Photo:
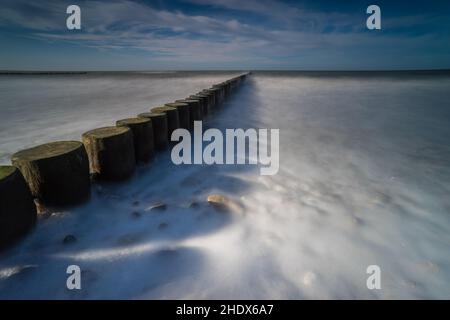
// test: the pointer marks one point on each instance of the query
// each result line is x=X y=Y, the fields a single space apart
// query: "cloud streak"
x=165 y=34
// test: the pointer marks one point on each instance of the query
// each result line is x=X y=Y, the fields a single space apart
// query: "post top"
x=106 y=132
x=162 y=109
x=6 y=171
x=151 y=115
x=47 y=150
x=177 y=104
x=132 y=121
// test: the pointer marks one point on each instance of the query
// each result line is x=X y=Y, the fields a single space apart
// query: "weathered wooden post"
x=194 y=109
x=17 y=209
x=57 y=173
x=211 y=99
x=217 y=95
x=160 y=128
x=173 y=119
x=142 y=129
x=204 y=102
x=183 y=113
x=227 y=88
x=111 y=153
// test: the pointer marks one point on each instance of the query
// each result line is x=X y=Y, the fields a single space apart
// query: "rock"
x=69 y=239
x=194 y=204
x=223 y=204
x=17 y=272
x=160 y=206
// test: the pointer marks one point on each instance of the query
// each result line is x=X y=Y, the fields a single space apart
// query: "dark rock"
x=194 y=204
x=224 y=204
x=69 y=239
x=159 y=206
x=135 y=203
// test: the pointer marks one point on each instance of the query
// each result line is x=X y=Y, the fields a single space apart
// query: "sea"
x=363 y=181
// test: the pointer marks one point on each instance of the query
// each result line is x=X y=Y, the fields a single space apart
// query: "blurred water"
x=38 y=108
x=364 y=179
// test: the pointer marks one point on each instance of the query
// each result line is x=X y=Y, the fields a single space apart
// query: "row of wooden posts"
x=59 y=174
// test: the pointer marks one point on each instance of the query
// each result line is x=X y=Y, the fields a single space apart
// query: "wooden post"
x=111 y=153
x=57 y=173
x=160 y=128
x=173 y=119
x=194 y=109
x=183 y=113
x=142 y=129
x=17 y=209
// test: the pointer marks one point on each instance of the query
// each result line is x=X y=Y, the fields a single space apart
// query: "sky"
x=224 y=35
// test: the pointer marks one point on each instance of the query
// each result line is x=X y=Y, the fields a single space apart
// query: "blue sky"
x=224 y=34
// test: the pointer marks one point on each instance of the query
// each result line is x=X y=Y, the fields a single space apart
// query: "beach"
x=363 y=180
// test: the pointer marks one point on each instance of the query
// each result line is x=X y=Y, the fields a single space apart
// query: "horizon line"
x=6 y=71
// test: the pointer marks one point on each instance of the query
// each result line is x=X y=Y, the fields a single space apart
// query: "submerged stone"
x=224 y=204
x=69 y=239
x=159 y=206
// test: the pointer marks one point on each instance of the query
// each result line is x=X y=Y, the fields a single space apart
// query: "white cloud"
x=178 y=36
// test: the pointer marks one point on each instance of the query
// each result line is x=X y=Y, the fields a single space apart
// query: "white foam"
x=364 y=179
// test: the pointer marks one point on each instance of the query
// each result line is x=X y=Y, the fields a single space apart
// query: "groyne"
x=59 y=174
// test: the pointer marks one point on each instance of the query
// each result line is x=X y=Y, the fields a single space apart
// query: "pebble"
x=69 y=239
x=224 y=204
x=160 y=206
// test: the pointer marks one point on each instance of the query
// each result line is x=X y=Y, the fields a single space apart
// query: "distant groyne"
x=60 y=174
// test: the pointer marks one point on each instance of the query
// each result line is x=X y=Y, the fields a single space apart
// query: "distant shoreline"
x=41 y=72
x=49 y=72
x=272 y=73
